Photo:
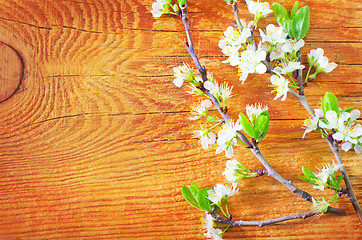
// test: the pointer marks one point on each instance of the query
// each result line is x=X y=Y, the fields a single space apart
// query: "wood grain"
x=96 y=142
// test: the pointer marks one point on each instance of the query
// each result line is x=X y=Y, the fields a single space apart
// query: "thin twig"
x=350 y=194
x=222 y=220
x=300 y=75
x=253 y=146
x=234 y=6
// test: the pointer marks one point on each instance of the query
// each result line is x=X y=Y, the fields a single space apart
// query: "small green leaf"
x=349 y=110
x=203 y=201
x=300 y=23
x=294 y=9
x=339 y=180
x=194 y=189
x=246 y=125
x=281 y=15
x=186 y=193
x=334 y=198
x=261 y=126
x=175 y=8
x=329 y=102
x=309 y=174
x=305 y=179
x=213 y=120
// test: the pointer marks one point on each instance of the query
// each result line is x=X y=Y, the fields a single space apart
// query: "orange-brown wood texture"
x=95 y=140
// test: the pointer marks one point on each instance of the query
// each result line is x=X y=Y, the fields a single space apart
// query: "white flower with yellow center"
x=324 y=174
x=273 y=34
x=158 y=8
x=320 y=207
x=316 y=58
x=226 y=138
x=312 y=123
x=182 y=73
x=253 y=111
x=250 y=62
x=225 y=91
x=221 y=192
x=289 y=68
x=281 y=86
x=206 y=137
x=258 y=9
x=293 y=45
x=231 y=43
x=200 y=109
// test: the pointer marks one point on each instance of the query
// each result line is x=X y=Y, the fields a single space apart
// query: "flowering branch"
x=252 y=146
x=335 y=149
x=350 y=193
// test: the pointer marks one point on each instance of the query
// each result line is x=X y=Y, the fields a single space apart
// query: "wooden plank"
x=97 y=144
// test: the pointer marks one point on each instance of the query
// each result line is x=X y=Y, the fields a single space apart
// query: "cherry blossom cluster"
x=337 y=123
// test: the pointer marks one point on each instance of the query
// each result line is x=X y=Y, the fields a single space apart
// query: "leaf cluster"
x=297 y=23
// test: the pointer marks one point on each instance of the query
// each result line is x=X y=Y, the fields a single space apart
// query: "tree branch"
x=253 y=147
x=219 y=219
x=351 y=196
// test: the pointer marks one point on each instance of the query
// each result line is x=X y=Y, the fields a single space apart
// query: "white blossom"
x=332 y=119
x=277 y=52
x=320 y=207
x=213 y=88
x=311 y=124
x=182 y=73
x=314 y=55
x=316 y=58
x=225 y=91
x=232 y=41
x=206 y=137
x=208 y=228
x=158 y=8
x=324 y=173
x=227 y=138
x=293 y=45
x=230 y=170
x=253 y=111
x=281 y=86
x=324 y=65
x=258 y=9
x=250 y=62
x=273 y=34
x=219 y=192
x=200 y=109
x=289 y=68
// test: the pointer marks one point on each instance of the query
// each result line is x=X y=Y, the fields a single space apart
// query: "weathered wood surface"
x=95 y=142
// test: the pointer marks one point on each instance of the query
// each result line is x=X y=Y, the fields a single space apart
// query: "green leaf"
x=246 y=125
x=334 y=199
x=186 y=193
x=329 y=102
x=213 y=120
x=339 y=180
x=203 y=201
x=194 y=189
x=261 y=126
x=349 y=110
x=305 y=179
x=294 y=9
x=300 y=23
x=281 y=15
x=309 y=174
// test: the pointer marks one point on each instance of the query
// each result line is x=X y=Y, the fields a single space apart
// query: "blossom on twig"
x=281 y=86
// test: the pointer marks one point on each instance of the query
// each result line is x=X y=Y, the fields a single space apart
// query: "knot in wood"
x=11 y=71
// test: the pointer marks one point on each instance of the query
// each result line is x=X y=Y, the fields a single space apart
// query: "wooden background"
x=95 y=142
